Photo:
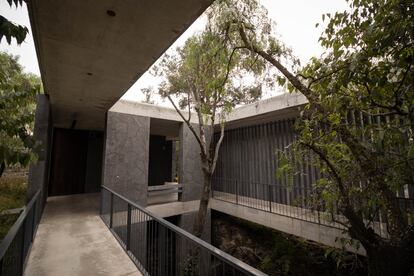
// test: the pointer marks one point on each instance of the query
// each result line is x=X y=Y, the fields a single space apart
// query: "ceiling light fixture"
x=110 y=13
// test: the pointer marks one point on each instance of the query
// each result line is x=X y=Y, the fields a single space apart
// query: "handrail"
x=215 y=251
x=8 y=239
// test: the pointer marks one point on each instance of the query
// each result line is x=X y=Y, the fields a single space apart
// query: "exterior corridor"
x=73 y=240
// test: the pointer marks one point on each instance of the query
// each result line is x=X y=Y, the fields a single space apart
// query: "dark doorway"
x=76 y=162
x=160 y=160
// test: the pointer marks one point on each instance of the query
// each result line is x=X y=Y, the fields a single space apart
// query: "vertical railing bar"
x=22 y=246
x=1 y=266
x=128 y=238
x=33 y=222
x=237 y=192
x=111 y=211
x=270 y=198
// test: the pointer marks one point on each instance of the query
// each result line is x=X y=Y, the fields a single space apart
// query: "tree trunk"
x=391 y=260
x=202 y=210
x=2 y=168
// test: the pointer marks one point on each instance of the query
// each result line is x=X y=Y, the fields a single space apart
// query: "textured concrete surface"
x=73 y=240
x=276 y=108
x=91 y=52
x=150 y=110
x=127 y=156
x=174 y=208
x=38 y=172
x=191 y=175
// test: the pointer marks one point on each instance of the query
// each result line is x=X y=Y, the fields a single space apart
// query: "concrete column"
x=127 y=155
x=191 y=175
x=39 y=171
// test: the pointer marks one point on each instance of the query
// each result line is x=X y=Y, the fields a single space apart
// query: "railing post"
x=128 y=239
x=22 y=247
x=111 y=212
x=237 y=193
x=270 y=198
x=34 y=221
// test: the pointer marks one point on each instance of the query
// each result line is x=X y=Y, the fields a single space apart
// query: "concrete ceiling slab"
x=91 y=51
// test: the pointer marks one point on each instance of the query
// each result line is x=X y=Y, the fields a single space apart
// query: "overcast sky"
x=295 y=21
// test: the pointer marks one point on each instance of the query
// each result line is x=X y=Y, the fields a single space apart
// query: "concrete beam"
x=276 y=108
x=150 y=110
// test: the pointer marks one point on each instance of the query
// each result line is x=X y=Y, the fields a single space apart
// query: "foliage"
x=17 y=106
x=12 y=191
x=205 y=76
x=9 y=30
x=360 y=116
x=278 y=253
x=6 y=222
x=12 y=195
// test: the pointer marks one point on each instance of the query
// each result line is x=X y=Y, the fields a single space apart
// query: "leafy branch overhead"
x=11 y=30
x=206 y=76
x=358 y=125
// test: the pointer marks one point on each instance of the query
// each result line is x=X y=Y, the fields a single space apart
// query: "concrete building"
x=132 y=164
x=245 y=159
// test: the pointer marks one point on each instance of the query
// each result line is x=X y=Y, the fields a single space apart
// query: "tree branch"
x=186 y=121
x=217 y=149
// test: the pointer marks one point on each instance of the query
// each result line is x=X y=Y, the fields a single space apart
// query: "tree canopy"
x=359 y=119
x=17 y=106
x=206 y=77
x=11 y=30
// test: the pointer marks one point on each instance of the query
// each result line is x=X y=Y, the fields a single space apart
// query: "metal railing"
x=158 y=247
x=16 y=245
x=294 y=202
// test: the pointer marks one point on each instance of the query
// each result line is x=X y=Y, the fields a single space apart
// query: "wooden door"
x=68 y=168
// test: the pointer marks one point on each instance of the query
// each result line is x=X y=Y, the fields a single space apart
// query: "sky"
x=295 y=24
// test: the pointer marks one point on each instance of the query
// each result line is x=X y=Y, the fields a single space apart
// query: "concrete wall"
x=39 y=171
x=191 y=176
x=126 y=155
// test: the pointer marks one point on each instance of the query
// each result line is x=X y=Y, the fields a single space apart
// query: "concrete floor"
x=73 y=240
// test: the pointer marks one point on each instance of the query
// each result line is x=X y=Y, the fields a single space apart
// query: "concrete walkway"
x=73 y=240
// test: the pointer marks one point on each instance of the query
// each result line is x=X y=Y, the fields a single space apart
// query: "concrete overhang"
x=91 y=51
x=280 y=107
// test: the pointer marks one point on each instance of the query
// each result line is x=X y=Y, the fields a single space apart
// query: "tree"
x=367 y=70
x=17 y=106
x=10 y=30
x=203 y=77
